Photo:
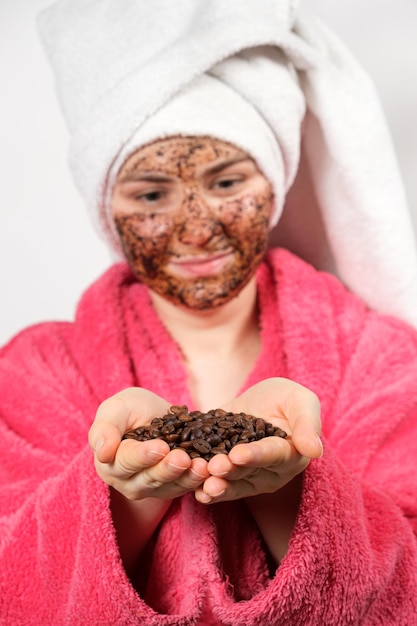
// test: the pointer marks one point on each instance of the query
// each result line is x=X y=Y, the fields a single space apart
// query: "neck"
x=219 y=347
x=194 y=330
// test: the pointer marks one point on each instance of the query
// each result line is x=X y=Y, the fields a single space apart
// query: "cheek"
x=143 y=237
x=248 y=217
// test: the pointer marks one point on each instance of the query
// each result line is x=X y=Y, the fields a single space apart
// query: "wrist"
x=135 y=522
x=275 y=515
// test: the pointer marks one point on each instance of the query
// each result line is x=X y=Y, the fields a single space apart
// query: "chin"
x=206 y=298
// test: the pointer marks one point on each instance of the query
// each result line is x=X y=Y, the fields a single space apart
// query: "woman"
x=193 y=215
x=203 y=315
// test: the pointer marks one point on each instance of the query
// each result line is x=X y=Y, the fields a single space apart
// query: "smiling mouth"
x=200 y=265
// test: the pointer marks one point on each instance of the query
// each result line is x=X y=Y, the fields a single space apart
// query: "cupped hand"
x=267 y=465
x=140 y=470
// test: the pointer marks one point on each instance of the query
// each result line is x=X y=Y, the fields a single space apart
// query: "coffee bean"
x=202 y=446
x=157 y=422
x=185 y=417
x=246 y=424
x=173 y=438
x=196 y=433
x=186 y=445
x=218 y=450
x=214 y=439
x=186 y=433
x=176 y=410
x=205 y=434
x=194 y=454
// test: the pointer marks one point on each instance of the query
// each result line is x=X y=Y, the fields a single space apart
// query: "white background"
x=48 y=250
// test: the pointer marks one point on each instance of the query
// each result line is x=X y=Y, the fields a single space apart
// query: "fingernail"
x=220 y=493
x=177 y=467
x=201 y=476
x=99 y=444
x=321 y=445
x=154 y=455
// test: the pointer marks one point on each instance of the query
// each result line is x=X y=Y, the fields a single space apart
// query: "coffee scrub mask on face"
x=193 y=217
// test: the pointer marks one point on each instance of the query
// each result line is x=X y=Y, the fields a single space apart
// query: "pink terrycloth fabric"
x=353 y=553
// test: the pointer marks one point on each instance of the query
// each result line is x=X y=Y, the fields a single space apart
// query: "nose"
x=199 y=223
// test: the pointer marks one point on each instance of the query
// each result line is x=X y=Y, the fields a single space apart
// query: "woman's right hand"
x=136 y=469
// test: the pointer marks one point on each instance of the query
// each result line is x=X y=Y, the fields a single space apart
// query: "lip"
x=201 y=266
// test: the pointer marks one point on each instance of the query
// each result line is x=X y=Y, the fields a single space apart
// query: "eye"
x=150 y=197
x=227 y=183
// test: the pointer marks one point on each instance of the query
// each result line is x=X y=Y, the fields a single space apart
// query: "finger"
x=193 y=477
x=267 y=452
x=158 y=480
x=134 y=456
x=105 y=435
x=216 y=489
x=303 y=412
x=199 y=468
x=222 y=466
x=213 y=489
x=169 y=469
x=169 y=479
x=307 y=441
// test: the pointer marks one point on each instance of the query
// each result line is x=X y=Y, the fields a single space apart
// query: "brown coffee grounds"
x=205 y=434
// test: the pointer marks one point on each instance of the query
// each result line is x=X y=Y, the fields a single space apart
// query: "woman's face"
x=193 y=218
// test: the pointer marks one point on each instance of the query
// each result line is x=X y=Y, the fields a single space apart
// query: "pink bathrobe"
x=353 y=553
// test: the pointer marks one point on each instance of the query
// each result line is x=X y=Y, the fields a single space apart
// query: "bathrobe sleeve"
x=59 y=560
x=353 y=554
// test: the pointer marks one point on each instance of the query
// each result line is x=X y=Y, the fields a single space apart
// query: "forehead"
x=176 y=155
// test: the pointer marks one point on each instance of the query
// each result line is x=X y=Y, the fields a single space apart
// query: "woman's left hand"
x=267 y=465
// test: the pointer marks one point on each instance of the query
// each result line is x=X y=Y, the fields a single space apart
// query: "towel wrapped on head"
x=270 y=79
x=214 y=104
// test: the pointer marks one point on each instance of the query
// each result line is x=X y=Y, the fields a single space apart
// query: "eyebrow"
x=155 y=177
x=151 y=177
x=227 y=163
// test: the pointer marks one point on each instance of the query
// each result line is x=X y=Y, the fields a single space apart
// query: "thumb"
x=306 y=438
x=104 y=440
x=119 y=413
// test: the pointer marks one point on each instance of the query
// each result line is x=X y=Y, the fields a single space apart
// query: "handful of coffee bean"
x=205 y=434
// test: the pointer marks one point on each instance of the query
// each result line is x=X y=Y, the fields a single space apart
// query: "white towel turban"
x=123 y=68
x=212 y=105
